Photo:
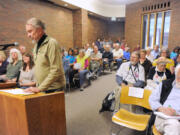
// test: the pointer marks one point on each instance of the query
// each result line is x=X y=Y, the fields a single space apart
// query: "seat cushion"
x=131 y=120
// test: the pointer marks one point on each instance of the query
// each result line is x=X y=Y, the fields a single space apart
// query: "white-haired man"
x=166 y=98
x=131 y=73
x=49 y=71
x=22 y=49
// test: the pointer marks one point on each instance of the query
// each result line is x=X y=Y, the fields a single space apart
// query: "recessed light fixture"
x=113 y=18
x=65 y=5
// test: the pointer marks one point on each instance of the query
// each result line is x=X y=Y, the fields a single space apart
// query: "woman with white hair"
x=15 y=64
x=149 y=55
x=158 y=73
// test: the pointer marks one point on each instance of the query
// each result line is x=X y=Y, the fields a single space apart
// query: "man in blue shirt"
x=165 y=99
x=155 y=52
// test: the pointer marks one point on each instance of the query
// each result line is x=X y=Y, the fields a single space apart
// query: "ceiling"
x=106 y=8
x=118 y=2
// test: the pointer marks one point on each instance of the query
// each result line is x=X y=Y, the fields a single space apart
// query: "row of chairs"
x=131 y=120
x=93 y=74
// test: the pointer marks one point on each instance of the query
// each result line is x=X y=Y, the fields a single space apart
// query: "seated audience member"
x=149 y=55
x=22 y=49
x=3 y=63
x=14 y=66
x=95 y=62
x=100 y=46
x=145 y=62
x=126 y=54
x=174 y=53
x=88 y=50
x=110 y=42
x=70 y=57
x=177 y=60
x=117 y=54
x=164 y=53
x=165 y=99
x=158 y=74
x=155 y=52
x=137 y=48
x=27 y=78
x=131 y=73
x=107 y=57
x=66 y=66
x=76 y=52
x=80 y=67
x=93 y=45
x=123 y=44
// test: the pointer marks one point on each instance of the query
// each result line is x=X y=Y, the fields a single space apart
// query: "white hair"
x=18 y=53
x=36 y=23
x=177 y=69
x=82 y=50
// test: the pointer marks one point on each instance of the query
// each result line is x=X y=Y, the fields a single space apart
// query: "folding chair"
x=129 y=119
x=154 y=130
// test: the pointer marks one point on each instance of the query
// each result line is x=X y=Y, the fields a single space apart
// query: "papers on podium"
x=164 y=116
x=136 y=92
x=17 y=92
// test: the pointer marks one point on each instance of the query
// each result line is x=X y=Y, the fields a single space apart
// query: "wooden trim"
x=162 y=30
x=147 y=42
x=155 y=26
x=142 y=25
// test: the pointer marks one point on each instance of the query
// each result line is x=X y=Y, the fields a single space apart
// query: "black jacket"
x=147 y=66
x=108 y=55
x=152 y=72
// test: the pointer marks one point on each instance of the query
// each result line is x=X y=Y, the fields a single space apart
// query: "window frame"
x=155 y=26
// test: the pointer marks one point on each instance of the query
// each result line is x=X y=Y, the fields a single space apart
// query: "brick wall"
x=134 y=13
x=14 y=14
x=70 y=28
x=77 y=28
x=97 y=28
x=116 y=30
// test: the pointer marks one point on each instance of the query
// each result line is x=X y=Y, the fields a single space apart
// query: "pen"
x=171 y=107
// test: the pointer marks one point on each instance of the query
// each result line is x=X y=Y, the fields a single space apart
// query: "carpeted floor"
x=82 y=110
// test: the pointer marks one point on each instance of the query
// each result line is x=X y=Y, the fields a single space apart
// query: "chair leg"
x=69 y=87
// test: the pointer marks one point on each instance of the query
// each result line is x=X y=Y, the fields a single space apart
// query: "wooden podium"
x=38 y=114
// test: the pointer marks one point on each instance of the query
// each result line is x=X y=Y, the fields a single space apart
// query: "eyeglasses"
x=134 y=57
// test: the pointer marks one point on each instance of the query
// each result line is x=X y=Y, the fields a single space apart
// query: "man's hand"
x=123 y=84
x=32 y=89
x=172 y=69
x=130 y=84
x=167 y=110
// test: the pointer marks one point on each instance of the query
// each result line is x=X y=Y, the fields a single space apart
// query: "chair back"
x=143 y=102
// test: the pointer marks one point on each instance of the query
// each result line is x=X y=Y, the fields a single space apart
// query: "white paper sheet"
x=136 y=92
x=77 y=66
x=17 y=92
x=164 y=116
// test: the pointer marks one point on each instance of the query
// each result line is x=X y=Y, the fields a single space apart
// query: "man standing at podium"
x=49 y=71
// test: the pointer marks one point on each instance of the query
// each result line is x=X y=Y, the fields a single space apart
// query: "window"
x=166 y=28
x=155 y=29
x=151 y=30
x=145 y=29
x=158 y=28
